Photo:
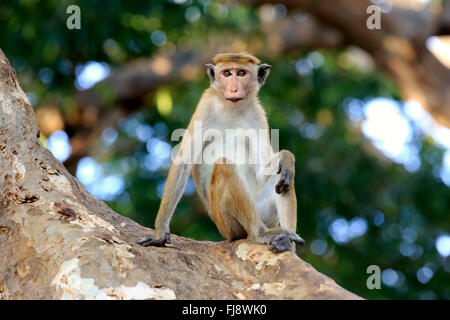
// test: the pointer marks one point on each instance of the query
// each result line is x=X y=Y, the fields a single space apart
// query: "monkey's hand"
x=158 y=242
x=286 y=172
x=285 y=242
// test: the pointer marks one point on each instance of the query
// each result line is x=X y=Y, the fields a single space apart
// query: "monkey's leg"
x=280 y=211
x=286 y=204
x=233 y=210
x=231 y=207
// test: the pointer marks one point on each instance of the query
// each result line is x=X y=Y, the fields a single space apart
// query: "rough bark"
x=57 y=241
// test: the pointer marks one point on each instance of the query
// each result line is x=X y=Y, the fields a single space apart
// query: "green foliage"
x=339 y=174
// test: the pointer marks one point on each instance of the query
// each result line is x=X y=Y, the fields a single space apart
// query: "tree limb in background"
x=399 y=47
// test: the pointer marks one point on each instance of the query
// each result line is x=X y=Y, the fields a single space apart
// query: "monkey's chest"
x=236 y=146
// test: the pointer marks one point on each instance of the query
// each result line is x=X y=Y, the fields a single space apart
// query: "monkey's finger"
x=278 y=188
x=281 y=187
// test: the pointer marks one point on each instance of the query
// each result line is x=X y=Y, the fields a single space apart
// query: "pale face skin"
x=235 y=81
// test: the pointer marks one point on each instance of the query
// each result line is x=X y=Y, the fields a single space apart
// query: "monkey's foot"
x=285 y=242
x=146 y=242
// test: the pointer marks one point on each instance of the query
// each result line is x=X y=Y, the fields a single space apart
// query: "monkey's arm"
x=282 y=163
x=173 y=190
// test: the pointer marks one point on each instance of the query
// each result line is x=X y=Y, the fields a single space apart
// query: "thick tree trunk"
x=57 y=241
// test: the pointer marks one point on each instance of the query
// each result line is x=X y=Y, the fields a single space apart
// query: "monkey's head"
x=237 y=76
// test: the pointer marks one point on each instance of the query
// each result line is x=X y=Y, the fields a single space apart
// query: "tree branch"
x=59 y=242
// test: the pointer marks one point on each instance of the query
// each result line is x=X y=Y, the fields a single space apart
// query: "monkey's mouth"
x=234 y=99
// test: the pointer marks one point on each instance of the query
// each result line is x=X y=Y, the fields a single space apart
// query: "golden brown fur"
x=239 y=58
x=241 y=201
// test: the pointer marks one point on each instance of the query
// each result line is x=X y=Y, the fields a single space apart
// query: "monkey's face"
x=235 y=81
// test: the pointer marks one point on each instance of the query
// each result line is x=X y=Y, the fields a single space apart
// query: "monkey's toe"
x=280 y=243
x=147 y=242
x=296 y=238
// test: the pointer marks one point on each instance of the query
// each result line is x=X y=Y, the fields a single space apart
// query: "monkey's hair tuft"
x=240 y=57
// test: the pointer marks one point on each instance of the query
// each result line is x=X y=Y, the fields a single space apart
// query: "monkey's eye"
x=227 y=73
x=241 y=73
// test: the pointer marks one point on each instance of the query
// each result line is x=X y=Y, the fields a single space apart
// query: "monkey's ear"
x=210 y=72
x=263 y=72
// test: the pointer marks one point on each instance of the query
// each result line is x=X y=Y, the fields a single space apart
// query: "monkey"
x=256 y=200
